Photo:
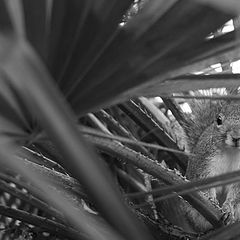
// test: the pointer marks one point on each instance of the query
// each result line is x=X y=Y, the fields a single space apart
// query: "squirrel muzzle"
x=233 y=137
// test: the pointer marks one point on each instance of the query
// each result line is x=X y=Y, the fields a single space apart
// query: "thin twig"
x=44 y=223
x=96 y=133
x=31 y=200
x=185 y=188
x=227 y=97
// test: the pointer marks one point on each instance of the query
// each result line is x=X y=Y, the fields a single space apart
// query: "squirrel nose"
x=235 y=139
x=235 y=134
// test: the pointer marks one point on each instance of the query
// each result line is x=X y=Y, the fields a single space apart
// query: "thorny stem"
x=197 y=200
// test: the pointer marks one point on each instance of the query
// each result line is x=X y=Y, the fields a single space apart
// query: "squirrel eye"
x=219 y=120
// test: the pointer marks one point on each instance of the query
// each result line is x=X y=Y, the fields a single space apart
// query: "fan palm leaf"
x=62 y=59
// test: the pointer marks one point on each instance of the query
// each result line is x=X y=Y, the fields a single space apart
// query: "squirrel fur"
x=213 y=134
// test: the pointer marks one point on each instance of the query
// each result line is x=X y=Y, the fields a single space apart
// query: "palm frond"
x=62 y=59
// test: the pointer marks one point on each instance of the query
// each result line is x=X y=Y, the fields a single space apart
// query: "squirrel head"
x=227 y=124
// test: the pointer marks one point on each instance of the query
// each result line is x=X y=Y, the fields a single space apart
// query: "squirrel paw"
x=228 y=216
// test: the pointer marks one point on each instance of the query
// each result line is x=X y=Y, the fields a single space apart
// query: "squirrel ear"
x=219 y=120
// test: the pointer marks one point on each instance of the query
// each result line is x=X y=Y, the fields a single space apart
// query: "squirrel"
x=213 y=135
